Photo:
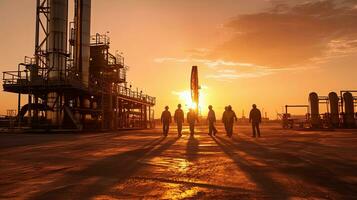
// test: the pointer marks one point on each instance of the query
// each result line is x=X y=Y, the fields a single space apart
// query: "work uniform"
x=179 y=119
x=191 y=119
x=255 y=118
x=166 y=120
x=211 y=118
x=230 y=117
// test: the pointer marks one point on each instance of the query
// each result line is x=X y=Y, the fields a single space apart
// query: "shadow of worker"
x=261 y=176
x=192 y=148
x=107 y=172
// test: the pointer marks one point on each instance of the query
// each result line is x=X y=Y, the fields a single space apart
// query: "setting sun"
x=185 y=98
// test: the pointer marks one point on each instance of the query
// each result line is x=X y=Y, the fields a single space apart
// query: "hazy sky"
x=270 y=53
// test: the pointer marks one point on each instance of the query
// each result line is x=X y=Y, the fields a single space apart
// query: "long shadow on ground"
x=192 y=149
x=104 y=174
x=312 y=169
x=268 y=186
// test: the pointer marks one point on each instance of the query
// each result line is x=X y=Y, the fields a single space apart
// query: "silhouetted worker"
x=211 y=118
x=179 y=119
x=224 y=119
x=191 y=119
x=166 y=120
x=255 y=117
x=230 y=118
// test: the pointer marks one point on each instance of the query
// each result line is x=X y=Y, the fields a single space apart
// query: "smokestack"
x=57 y=51
x=82 y=27
x=57 y=39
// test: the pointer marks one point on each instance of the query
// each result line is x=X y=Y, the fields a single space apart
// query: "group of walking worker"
x=228 y=119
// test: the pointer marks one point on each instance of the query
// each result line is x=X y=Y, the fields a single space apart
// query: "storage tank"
x=334 y=109
x=82 y=47
x=314 y=110
x=349 y=120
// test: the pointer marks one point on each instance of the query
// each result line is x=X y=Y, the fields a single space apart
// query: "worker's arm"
x=209 y=116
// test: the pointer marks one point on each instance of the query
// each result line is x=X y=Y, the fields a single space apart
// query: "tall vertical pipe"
x=334 y=109
x=57 y=39
x=314 y=110
x=349 y=119
x=195 y=87
x=82 y=32
x=57 y=53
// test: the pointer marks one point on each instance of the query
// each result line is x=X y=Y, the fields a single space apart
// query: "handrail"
x=99 y=39
x=24 y=78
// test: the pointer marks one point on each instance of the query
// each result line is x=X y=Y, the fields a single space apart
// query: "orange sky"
x=270 y=53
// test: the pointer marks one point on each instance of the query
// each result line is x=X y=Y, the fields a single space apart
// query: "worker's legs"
x=179 y=128
x=210 y=128
x=253 y=127
x=227 y=128
x=165 y=128
x=258 y=129
x=214 y=129
x=230 y=129
x=192 y=128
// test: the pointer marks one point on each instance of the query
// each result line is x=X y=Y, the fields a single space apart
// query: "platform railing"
x=37 y=77
x=128 y=92
x=15 y=77
x=23 y=78
x=99 y=39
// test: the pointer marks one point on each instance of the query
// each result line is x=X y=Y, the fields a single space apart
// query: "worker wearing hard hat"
x=255 y=117
x=191 y=119
x=166 y=120
x=211 y=118
x=179 y=119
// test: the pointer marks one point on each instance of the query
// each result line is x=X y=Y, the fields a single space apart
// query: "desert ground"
x=282 y=164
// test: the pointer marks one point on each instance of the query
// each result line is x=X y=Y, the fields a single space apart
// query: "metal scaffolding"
x=74 y=84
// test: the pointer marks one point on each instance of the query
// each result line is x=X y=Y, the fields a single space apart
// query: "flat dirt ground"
x=282 y=164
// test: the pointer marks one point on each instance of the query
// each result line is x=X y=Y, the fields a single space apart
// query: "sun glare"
x=186 y=100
